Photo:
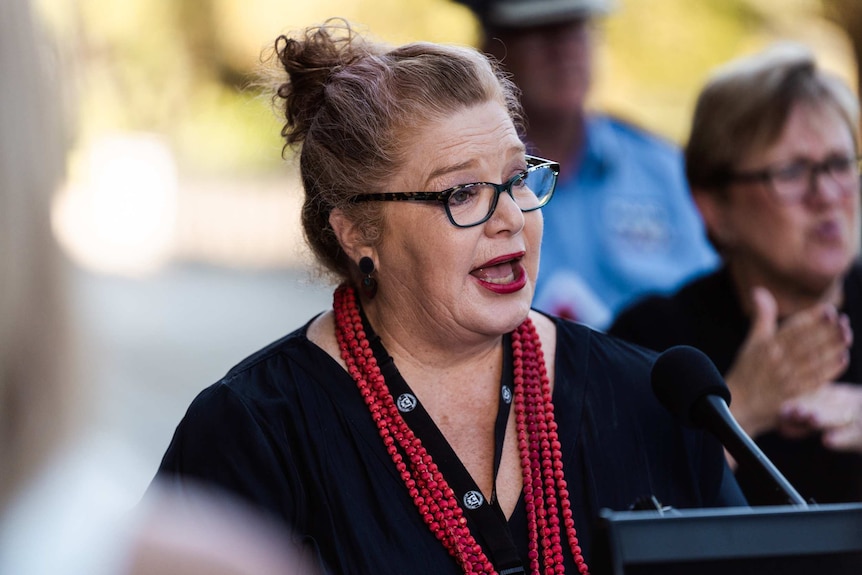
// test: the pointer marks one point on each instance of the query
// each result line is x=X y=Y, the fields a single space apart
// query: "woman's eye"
x=520 y=180
x=463 y=195
x=838 y=165
x=793 y=171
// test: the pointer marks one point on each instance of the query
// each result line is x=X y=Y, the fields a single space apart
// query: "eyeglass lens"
x=793 y=182
x=472 y=204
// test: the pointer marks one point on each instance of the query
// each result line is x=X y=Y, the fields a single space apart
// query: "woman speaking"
x=431 y=421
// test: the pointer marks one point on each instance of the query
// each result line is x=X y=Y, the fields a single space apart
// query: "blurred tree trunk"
x=848 y=15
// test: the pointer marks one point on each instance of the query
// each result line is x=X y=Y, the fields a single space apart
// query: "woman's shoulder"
x=272 y=372
x=283 y=346
x=659 y=321
x=657 y=309
x=271 y=390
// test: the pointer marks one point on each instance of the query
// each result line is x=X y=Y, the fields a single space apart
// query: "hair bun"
x=310 y=60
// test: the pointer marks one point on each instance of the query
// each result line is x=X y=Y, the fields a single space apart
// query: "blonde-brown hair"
x=745 y=105
x=34 y=392
x=355 y=106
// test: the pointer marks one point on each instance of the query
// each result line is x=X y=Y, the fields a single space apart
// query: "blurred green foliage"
x=182 y=68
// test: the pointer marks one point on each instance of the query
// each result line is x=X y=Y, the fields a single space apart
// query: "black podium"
x=786 y=540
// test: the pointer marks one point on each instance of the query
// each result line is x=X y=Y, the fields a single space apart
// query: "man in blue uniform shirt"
x=622 y=223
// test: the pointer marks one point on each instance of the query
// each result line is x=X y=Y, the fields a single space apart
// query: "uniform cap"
x=527 y=13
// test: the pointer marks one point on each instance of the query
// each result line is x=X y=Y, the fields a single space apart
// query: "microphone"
x=689 y=385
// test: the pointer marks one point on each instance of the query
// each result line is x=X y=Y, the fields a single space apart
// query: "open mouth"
x=829 y=230
x=503 y=274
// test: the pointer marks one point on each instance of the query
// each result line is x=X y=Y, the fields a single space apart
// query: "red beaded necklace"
x=545 y=493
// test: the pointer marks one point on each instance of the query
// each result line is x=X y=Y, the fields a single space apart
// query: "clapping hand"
x=781 y=362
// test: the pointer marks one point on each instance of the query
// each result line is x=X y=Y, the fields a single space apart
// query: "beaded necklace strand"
x=545 y=493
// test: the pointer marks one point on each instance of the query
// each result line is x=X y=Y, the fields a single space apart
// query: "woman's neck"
x=430 y=352
x=789 y=298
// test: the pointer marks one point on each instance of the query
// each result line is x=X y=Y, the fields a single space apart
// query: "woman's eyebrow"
x=439 y=172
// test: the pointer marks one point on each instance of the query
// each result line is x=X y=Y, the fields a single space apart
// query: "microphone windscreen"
x=681 y=376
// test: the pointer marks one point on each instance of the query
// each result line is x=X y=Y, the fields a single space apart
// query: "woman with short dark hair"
x=772 y=163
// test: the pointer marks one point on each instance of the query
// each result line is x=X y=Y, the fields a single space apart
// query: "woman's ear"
x=347 y=233
x=713 y=208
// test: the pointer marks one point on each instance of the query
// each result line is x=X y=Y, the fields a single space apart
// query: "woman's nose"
x=507 y=213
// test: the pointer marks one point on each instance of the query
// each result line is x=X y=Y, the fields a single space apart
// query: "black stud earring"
x=369 y=284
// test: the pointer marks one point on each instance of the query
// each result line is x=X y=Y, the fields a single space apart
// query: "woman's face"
x=803 y=245
x=459 y=281
x=551 y=64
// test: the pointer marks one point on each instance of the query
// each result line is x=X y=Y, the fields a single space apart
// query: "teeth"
x=501 y=281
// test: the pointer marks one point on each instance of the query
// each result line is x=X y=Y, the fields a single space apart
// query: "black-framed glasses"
x=792 y=182
x=472 y=204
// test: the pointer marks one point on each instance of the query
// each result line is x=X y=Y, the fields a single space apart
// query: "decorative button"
x=406 y=402
x=507 y=394
x=473 y=500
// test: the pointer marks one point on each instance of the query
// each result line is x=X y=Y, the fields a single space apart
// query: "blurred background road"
x=148 y=346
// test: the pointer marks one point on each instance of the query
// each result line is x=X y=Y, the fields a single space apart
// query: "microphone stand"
x=712 y=409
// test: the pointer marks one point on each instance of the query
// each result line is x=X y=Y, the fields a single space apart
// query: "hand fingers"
x=765 y=314
x=776 y=363
x=794 y=428
x=835 y=409
x=845 y=438
x=815 y=327
x=814 y=347
x=809 y=348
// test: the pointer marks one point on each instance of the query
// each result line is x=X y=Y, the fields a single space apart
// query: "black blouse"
x=287 y=430
x=707 y=314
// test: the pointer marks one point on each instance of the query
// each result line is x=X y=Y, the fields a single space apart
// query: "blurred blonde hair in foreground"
x=64 y=507
x=33 y=413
